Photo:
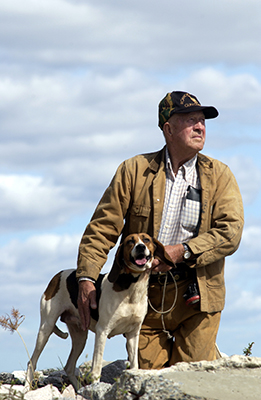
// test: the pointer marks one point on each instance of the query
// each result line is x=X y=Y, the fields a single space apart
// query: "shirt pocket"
x=191 y=209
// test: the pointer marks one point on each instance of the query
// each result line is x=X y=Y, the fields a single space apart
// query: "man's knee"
x=154 y=350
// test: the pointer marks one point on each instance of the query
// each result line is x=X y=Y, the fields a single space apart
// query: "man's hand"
x=86 y=301
x=175 y=252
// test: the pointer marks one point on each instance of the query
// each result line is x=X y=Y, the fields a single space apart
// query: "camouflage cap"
x=182 y=102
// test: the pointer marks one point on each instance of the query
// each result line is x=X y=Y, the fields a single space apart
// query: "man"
x=192 y=204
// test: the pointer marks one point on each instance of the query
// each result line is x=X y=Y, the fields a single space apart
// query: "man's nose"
x=199 y=126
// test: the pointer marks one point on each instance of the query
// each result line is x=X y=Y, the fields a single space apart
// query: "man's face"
x=188 y=131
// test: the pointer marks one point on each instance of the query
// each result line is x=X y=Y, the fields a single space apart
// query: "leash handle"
x=163 y=297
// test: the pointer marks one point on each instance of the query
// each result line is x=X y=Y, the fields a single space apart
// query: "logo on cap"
x=186 y=98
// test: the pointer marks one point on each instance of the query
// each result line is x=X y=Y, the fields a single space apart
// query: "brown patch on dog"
x=161 y=254
x=53 y=286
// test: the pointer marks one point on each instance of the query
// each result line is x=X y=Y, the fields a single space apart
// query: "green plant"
x=120 y=392
x=248 y=350
x=85 y=377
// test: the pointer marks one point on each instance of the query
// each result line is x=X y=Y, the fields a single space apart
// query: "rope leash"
x=162 y=312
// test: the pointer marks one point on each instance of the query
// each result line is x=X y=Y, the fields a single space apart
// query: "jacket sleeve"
x=105 y=226
x=222 y=219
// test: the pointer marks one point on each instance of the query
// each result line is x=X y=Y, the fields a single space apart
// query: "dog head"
x=135 y=255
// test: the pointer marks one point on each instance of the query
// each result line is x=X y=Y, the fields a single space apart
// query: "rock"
x=8 y=378
x=95 y=391
x=129 y=388
x=56 y=378
x=11 y=391
x=48 y=392
x=112 y=371
x=69 y=392
x=20 y=375
x=230 y=378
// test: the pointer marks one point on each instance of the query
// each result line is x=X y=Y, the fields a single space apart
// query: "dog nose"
x=140 y=247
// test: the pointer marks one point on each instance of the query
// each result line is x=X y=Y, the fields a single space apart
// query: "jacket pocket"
x=139 y=210
x=215 y=274
x=139 y=218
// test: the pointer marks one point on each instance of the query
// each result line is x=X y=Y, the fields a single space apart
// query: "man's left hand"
x=175 y=252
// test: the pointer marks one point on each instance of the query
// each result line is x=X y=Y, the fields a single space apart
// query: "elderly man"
x=192 y=204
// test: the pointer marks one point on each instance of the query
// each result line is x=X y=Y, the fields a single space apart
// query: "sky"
x=80 y=83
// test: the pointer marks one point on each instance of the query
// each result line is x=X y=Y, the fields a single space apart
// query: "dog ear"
x=117 y=265
x=161 y=253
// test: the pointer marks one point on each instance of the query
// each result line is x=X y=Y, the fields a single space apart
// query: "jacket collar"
x=205 y=160
x=158 y=160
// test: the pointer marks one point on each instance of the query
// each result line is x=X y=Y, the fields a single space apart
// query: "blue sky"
x=80 y=82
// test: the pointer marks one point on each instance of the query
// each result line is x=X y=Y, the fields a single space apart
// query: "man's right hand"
x=86 y=301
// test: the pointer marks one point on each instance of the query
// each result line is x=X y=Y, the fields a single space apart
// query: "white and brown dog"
x=122 y=305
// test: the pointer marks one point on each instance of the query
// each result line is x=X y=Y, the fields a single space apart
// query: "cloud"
x=21 y=259
x=26 y=202
x=243 y=167
x=250 y=237
x=70 y=133
x=241 y=91
x=68 y=33
x=247 y=301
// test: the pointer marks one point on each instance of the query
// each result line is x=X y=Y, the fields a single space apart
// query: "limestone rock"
x=20 y=375
x=69 y=392
x=95 y=391
x=230 y=378
x=46 y=393
x=10 y=390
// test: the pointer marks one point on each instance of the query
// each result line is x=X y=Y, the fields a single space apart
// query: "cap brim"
x=209 y=111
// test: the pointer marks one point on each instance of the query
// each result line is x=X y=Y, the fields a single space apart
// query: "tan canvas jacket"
x=133 y=203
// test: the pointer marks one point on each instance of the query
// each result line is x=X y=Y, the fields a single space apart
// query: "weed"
x=12 y=395
x=120 y=392
x=248 y=350
x=85 y=377
x=12 y=323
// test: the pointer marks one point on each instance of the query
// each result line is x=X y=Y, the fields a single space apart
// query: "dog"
x=122 y=305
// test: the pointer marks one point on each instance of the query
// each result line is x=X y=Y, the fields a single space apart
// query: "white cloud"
x=247 y=301
x=243 y=167
x=240 y=91
x=28 y=201
x=42 y=253
x=56 y=33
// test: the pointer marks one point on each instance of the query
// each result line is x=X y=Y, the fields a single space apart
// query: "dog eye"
x=145 y=240
x=131 y=241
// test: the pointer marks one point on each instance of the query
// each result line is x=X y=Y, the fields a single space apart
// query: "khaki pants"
x=194 y=331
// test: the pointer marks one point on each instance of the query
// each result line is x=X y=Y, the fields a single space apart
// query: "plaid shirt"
x=181 y=210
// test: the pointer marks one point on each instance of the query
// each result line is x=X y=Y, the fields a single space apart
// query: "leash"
x=162 y=312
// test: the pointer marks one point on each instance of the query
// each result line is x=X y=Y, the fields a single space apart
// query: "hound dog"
x=122 y=305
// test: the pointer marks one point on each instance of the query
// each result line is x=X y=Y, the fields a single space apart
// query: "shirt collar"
x=187 y=168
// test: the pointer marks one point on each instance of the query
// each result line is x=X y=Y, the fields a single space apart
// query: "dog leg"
x=42 y=338
x=132 y=342
x=100 y=340
x=79 y=338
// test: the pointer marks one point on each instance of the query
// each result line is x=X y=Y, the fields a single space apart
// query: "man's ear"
x=167 y=129
x=161 y=253
x=117 y=265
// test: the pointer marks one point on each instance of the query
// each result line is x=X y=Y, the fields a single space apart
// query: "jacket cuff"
x=86 y=268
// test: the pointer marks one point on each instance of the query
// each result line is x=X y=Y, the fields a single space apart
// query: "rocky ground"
x=230 y=378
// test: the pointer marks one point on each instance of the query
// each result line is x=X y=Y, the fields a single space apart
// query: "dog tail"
x=58 y=332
